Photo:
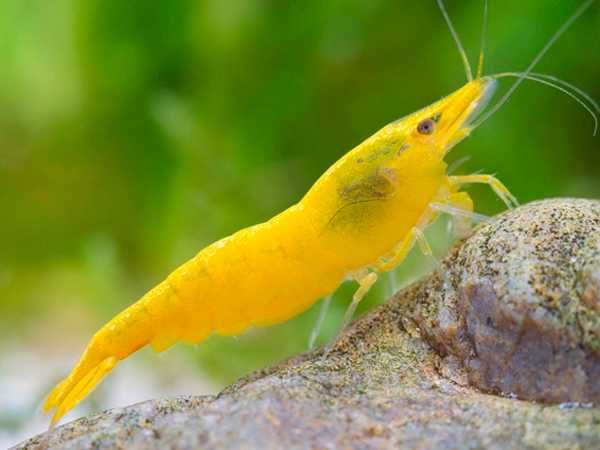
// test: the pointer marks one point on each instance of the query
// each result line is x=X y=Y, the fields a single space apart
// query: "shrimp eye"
x=426 y=126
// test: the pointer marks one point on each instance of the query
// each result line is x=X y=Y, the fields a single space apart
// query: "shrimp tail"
x=69 y=392
x=142 y=323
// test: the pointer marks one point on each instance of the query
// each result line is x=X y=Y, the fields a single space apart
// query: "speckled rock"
x=513 y=310
x=516 y=308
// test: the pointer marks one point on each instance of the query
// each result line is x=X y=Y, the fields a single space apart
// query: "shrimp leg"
x=497 y=186
x=365 y=280
x=314 y=334
x=414 y=235
x=459 y=206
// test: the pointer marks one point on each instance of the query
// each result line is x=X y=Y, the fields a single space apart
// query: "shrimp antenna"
x=461 y=50
x=556 y=83
x=568 y=85
x=482 y=45
x=538 y=57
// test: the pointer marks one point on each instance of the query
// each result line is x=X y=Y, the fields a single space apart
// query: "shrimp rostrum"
x=360 y=218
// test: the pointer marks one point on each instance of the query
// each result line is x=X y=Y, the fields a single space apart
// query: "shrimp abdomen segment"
x=252 y=278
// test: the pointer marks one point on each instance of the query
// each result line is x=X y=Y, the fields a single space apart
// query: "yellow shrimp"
x=360 y=218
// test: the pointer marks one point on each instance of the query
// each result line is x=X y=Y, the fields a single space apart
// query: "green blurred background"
x=133 y=133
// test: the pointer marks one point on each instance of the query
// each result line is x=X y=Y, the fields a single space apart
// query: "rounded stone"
x=515 y=308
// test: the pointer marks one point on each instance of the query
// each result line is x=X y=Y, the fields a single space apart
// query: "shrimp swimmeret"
x=360 y=218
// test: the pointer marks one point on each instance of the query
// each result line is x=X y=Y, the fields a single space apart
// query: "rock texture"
x=517 y=306
x=477 y=355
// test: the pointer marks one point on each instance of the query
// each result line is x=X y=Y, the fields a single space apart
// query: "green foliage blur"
x=133 y=133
